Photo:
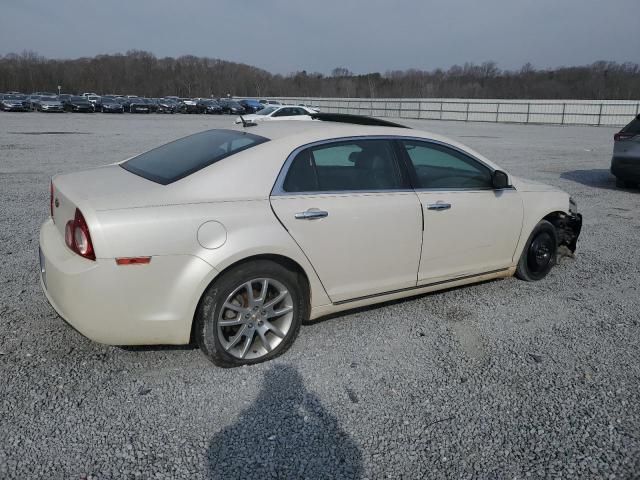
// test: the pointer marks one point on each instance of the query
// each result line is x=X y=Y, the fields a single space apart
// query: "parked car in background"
x=188 y=105
x=152 y=104
x=14 y=103
x=231 y=107
x=78 y=103
x=138 y=105
x=208 y=106
x=109 y=105
x=167 y=105
x=286 y=112
x=124 y=101
x=240 y=265
x=33 y=100
x=49 y=104
x=251 y=106
x=96 y=101
x=625 y=163
x=89 y=94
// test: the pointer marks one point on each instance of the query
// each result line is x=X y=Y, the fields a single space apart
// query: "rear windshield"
x=187 y=155
x=633 y=127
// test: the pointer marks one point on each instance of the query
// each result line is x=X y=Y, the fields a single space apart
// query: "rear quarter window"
x=180 y=158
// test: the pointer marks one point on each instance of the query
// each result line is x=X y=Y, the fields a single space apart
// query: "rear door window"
x=359 y=165
x=187 y=155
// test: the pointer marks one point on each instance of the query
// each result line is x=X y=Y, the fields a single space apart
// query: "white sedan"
x=284 y=112
x=234 y=238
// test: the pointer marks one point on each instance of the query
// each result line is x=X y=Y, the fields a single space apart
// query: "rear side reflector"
x=51 y=198
x=133 y=260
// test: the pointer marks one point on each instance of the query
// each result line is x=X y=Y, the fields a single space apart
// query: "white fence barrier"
x=552 y=112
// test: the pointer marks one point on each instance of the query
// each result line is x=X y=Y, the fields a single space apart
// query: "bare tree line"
x=142 y=73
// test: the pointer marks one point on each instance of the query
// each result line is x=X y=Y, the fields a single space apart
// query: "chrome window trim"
x=279 y=191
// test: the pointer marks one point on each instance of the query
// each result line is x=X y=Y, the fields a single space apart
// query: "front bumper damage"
x=568 y=228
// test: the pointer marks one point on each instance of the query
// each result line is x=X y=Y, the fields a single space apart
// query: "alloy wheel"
x=255 y=318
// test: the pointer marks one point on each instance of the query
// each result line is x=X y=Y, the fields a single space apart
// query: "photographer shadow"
x=285 y=433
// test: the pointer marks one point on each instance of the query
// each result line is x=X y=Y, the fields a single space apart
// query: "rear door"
x=349 y=206
x=469 y=228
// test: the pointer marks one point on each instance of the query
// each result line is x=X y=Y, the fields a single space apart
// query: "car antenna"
x=247 y=123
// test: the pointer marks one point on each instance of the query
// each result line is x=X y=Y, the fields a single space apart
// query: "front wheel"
x=539 y=254
x=251 y=314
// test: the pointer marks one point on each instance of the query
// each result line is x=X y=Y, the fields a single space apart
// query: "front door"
x=469 y=228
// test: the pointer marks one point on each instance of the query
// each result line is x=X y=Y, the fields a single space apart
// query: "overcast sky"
x=284 y=36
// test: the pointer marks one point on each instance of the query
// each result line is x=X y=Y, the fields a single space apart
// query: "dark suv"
x=625 y=163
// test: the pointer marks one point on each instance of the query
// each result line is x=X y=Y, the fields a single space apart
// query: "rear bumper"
x=122 y=305
x=627 y=169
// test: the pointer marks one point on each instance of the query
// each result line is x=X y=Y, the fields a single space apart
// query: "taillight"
x=623 y=136
x=77 y=237
x=51 y=198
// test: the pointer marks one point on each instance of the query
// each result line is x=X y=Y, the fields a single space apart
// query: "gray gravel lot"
x=504 y=379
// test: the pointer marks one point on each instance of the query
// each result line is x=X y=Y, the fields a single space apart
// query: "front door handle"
x=439 y=205
x=311 y=214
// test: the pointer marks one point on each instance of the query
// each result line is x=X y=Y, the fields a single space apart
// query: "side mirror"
x=499 y=180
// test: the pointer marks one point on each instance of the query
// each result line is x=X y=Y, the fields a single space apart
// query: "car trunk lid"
x=104 y=188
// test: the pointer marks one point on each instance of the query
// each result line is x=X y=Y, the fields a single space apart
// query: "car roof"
x=297 y=133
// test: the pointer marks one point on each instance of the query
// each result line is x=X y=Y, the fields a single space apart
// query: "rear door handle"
x=311 y=214
x=439 y=205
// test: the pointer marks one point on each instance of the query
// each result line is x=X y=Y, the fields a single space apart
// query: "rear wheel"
x=251 y=314
x=625 y=184
x=539 y=254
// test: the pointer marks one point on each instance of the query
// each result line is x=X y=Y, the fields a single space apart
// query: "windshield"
x=79 y=99
x=266 y=111
x=49 y=99
x=15 y=97
x=187 y=155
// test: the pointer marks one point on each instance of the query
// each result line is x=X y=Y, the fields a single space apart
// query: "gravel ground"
x=504 y=379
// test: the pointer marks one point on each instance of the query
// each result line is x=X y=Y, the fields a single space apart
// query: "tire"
x=539 y=254
x=625 y=184
x=256 y=331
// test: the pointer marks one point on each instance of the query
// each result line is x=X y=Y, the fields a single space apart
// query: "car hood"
x=524 y=185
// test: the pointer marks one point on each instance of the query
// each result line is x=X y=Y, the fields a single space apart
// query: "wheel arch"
x=550 y=206
x=282 y=260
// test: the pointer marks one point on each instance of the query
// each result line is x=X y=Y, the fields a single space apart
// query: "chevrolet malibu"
x=234 y=238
